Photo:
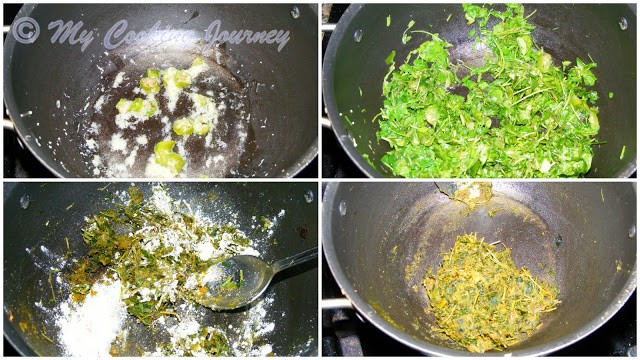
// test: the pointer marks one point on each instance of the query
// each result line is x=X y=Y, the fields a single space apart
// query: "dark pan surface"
x=46 y=221
x=380 y=254
x=231 y=135
x=565 y=31
x=279 y=88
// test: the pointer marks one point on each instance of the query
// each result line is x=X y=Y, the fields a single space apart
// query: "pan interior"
x=380 y=254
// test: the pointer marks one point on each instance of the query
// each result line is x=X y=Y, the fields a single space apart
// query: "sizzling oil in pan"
x=218 y=154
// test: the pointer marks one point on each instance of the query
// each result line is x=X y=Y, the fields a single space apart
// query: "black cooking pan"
x=51 y=87
x=356 y=53
x=38 y=217
x=580 y=236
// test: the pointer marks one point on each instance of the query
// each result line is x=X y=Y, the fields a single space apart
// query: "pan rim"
x=9 y=96
x=293 y=210
x=367 y=312
x=328 y=94
x=290 y=170
x=341 y=133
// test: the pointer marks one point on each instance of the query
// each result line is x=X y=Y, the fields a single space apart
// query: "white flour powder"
x=89 y=328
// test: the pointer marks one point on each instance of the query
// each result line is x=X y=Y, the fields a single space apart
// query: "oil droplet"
x=622 y=23
x=342 y=208
x=357 y=36
x=308 y=196
x=25 y=201
x=632 y=231
x=295 y=12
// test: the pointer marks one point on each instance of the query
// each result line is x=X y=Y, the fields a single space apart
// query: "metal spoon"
x=241 y=279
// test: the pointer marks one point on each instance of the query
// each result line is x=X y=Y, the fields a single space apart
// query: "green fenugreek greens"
x=482 y=301
x=517 y=115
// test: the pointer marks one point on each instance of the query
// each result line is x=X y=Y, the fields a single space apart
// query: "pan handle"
x=325 y=122
x=327 y=27
x=339 y=303
x=7 y=124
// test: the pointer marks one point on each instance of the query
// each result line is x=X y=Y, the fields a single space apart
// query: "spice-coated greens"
x=157 y=251
x=482 y=301
x=521 y=116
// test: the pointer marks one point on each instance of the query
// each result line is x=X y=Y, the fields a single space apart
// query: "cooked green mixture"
x=482 y=301
x=516 y=115
x=157 y=252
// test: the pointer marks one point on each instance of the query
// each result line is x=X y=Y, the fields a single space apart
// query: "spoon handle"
x=295 y=260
